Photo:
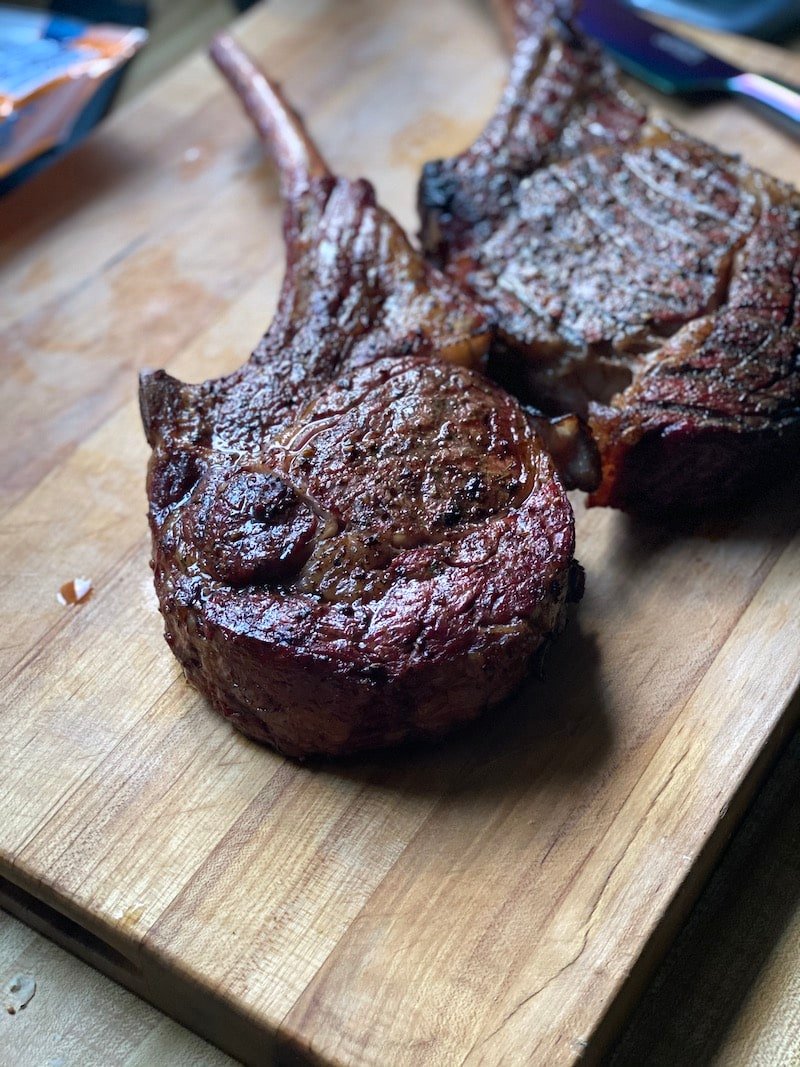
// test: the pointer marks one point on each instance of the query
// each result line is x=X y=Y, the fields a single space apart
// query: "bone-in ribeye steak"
x=636 y=274
x=354 y=540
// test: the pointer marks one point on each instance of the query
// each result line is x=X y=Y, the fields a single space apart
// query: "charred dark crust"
x=324 y=612
x=636 y=275
x=356 y=538
x=159 y=393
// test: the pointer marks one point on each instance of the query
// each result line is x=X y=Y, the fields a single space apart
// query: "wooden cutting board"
x=500 y=898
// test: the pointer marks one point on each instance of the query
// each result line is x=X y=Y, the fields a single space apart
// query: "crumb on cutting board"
x=18 y=993
x=74 y=591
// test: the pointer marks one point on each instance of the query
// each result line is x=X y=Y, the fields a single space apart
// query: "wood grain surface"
x=728 y=992
x=497 y=898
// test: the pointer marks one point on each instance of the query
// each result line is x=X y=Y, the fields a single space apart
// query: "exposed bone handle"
x=280 y=128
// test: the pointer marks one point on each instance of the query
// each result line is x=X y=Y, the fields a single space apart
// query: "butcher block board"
x=498 y=898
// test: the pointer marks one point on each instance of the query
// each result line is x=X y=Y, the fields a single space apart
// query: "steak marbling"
x=355 y=540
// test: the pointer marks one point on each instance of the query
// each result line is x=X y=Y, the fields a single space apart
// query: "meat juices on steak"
x=354 y=540
x=637 y=275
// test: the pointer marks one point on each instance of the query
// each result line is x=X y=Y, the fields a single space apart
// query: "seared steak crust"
x=637 y=275
x=354 y=540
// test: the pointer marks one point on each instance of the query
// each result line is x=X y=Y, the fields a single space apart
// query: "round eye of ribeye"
x=257 y=528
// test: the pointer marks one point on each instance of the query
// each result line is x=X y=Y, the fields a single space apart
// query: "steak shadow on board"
x=637 y=275
x=357 y=539
x=557 y=730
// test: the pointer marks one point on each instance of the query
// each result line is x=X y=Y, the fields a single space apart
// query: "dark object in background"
x=772 y=20
x=121 y=12
x=66 y=22
x=677 y=66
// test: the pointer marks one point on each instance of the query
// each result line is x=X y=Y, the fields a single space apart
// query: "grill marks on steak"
x=562 y=99
x=724 y=391
x=636 y=275
x=354 y=539
x=608 y=254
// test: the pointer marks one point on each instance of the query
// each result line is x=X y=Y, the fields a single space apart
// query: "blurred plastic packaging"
x=50 y=67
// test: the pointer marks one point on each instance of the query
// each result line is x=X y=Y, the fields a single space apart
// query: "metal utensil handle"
x=776 y=100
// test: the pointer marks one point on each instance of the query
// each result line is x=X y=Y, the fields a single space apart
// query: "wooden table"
x=728 y=992
x=123 y=184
